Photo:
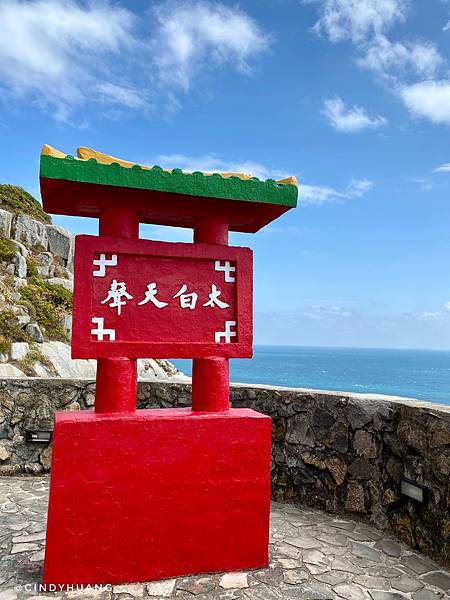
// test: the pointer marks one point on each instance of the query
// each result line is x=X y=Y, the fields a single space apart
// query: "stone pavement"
x=312 y=556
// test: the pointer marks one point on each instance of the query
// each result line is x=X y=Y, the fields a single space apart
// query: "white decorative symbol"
x=227 y=269
x=227 y=334
x=103 y=262
x=101 y=331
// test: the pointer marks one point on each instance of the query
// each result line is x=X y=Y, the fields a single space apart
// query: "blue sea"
x=421 y=374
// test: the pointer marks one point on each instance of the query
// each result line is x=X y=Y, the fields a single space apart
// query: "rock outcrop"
x=36 y=285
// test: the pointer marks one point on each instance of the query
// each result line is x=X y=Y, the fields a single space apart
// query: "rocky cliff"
x=36 y=285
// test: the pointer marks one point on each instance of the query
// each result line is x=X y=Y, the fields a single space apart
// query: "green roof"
x=173 y=182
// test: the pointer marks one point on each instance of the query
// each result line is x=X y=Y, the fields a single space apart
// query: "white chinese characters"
x=117 y=291
x=150 y=296
x=194 y=296
x=186 y=300
x=214 y=298
x=117 y=297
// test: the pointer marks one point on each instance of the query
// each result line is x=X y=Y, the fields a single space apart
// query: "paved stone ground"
x=312 y=556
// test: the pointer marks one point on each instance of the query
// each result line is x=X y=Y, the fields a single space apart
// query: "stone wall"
x=343 y=453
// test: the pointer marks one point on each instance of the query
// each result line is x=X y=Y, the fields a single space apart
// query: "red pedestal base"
x=157 y=494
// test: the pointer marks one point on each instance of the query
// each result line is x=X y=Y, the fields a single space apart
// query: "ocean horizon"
x=409 y=373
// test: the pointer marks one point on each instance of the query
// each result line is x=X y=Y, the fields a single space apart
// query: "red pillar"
x=210 y=376
x=116 y=377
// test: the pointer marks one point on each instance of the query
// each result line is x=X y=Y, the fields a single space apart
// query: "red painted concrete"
x=119 y=222
x=151 y=494
x=211 y=230
x=143 y=329
x=64 y=197
x=115 y=390
x=210 y=376
x=210 y=384
x=156 y=494
x=116 y=379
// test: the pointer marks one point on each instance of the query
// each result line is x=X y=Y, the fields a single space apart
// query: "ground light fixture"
x=39 y=435
x=412 y=489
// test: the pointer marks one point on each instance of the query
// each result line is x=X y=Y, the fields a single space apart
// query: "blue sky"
x=351 y=96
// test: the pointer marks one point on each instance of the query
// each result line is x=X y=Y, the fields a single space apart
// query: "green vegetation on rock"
x=10 y=329
x=32 y=267
x=34 y=300
x=18 y=201
x=5 y=345
x=34 y=356
x=7 y=249
x=50 y=302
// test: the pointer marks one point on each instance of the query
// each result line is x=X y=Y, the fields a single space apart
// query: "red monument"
x=152 y=494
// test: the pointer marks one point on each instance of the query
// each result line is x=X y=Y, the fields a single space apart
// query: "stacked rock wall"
x=343 y=453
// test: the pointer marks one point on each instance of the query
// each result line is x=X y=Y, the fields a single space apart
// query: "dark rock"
x=355 y=501
x=413 y=436
x=364 y=443
x=390 y=496
x=337 y=437
x=360 y=468
x=440 y=437
x=278 y=429
x=359 y=414
x=322 y=418
x=299 y=432
x=394 y=468
x=403 y=527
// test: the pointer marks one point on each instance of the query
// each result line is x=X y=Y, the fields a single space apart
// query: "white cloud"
x=432 y=315
x=357 y=20
x=317 y=195
x=195 y=35
x=65 y=54
x=349 y=119
x=429 y=100
x=320 y=312
x=53 y=50
x=445 y=168
x=428 y=315
x=118 y=94
x=385 y=57
x=308 y=194
x=358 y=188
x=398 y=63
